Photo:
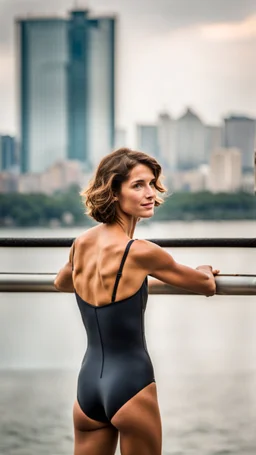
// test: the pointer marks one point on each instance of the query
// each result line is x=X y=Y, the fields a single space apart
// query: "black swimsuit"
x=116 y=365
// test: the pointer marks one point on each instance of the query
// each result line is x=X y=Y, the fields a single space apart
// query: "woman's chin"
x=147 y=215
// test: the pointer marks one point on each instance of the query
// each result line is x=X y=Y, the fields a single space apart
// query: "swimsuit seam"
x=102 y=365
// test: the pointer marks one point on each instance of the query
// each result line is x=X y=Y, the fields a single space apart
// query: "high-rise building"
x=120 y=138
x=66 y=72
x=213 y=140
x=91 y=82
x=240 y=132
x=167 y=141
x=8 y=153
x=43 y=59
x=225 y=171
x=147 y=139
x=190 y=141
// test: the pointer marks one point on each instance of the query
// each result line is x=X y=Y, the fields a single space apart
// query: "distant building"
x=30 y=183
x=147 y=139
x=254 y=171
x=91 y=82
x=66 y=73
x=8 y=153
x=59 y=176
x=43 y=60
x=190 y=141
x=193 y=180
x=8 y=182
x=120 y=138
x=225 y=171
x=167 y=141
x=248 y=182
x=240 y=132
x=213 y=140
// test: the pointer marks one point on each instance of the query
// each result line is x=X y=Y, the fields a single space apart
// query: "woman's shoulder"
x=86 y=237
x=145 y=251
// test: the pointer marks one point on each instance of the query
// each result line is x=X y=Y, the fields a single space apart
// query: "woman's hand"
x=208 y=268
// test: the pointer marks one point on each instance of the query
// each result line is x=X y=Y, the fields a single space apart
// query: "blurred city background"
x=175 y=80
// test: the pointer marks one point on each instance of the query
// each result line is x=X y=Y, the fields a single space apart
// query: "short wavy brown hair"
x=113 y=170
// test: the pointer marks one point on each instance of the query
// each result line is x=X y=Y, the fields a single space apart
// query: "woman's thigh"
x=139 y=423
x=92 y=437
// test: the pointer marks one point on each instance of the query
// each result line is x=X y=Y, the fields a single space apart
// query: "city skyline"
x=170 y=56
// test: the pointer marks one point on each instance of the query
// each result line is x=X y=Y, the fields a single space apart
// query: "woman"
x=108 y=271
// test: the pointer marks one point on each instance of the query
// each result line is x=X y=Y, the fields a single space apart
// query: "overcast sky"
x=170 y=54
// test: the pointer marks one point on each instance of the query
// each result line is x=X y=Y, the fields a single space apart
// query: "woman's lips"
x=150 y=204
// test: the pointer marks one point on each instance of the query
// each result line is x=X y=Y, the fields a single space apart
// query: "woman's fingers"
x=215 y=272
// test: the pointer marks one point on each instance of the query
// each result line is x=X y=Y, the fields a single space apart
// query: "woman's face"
x=138 y=193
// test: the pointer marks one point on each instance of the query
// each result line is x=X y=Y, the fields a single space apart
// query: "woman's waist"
x=136 y=360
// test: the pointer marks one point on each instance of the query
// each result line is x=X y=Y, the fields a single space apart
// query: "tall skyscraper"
x=120 y=138
x=8 y=153
x=190 y=141
x=147 y=139
x=67 y=95
x=240 y=132
x=43 y=58
x=167 y=141
x=91 y=83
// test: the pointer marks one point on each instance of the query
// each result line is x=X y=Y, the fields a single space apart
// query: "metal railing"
x=165 y=243
x=43 y=282
x=228 y=284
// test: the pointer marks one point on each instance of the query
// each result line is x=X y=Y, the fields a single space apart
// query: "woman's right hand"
x=208 y=268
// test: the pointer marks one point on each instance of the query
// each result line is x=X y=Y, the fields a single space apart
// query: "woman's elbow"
x=56 y=284
x=211 y=288
x=64 y=286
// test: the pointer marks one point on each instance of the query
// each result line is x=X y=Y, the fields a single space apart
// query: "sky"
x=170 y=54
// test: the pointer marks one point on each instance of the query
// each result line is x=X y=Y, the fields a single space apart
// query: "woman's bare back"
x=96 y=259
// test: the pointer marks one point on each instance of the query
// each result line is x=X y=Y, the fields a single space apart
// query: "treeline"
x=208 y=206
x=66 y=208
x=61 y=209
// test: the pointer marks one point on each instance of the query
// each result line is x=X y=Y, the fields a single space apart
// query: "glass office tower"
x=8 y=153
x=101 y=87
x=67 y=95
x=43 y=113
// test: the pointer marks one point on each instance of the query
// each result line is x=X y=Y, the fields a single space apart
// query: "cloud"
x=150 y=15
x=235 y=31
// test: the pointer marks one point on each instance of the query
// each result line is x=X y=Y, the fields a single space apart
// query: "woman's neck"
x=126 y=225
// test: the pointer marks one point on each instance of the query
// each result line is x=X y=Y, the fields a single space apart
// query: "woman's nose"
x=150 y=191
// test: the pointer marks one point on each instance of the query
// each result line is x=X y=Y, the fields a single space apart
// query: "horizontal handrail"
x=165 y=243
x=43 y=282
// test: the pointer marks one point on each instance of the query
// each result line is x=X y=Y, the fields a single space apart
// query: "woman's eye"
x=138 y=185
x=152 y=183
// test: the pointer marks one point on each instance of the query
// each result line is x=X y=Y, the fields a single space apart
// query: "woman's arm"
x=161 y=265
x=155 y=284
x=64 y=281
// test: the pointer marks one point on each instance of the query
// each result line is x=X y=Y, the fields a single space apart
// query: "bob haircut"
x=113 y=170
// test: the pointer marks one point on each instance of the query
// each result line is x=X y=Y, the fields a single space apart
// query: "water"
x=203 y=351
x=202 y=414
x=35 y=411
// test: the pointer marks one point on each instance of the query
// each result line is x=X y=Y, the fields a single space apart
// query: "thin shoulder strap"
x=119 y=273
x=73 y=252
